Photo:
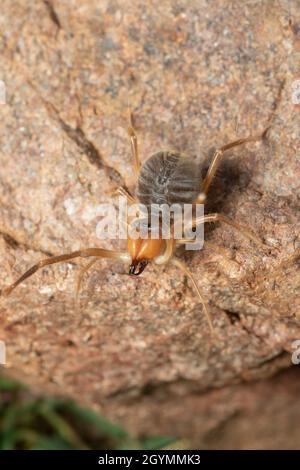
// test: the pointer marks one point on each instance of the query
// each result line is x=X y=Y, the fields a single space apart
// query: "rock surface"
x=196 y=75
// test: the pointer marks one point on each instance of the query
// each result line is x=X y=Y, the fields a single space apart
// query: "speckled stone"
x=196 y=75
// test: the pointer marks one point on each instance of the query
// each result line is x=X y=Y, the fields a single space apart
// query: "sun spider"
x=165 y=177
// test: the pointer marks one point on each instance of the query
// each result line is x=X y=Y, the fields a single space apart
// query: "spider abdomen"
x=168 y=178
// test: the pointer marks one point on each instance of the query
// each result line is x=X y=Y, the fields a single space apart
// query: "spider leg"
x=85 y=253
x=124 y=192
x=218 y=156
x=216 y=217
x=134 y=145
x=79 y=281
x=167 y=253
x=183 y=267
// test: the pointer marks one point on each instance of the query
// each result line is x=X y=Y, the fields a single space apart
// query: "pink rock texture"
x=196 y=75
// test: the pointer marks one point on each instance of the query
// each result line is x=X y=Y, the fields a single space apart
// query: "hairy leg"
x=218 y=156
x=134 y=145
x=216 y=217
x=79 y=281
x=85 y=253
x=182 y=266
x=124 y=192
x=168 y=252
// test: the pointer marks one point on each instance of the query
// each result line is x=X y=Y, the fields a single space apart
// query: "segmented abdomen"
x=168 y=178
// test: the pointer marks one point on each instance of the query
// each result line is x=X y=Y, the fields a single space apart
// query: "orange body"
x=142 y=251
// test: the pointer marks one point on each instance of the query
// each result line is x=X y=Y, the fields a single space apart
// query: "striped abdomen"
x=168 y=178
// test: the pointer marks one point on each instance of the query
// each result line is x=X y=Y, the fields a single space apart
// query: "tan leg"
x=223 y=218
x=184 y=241
x=220 y=251
x=79 y=280
x=124 y=192
x=181 y=265
x=85 y=253
x=218 y=155
x=167 y=254
x=134 y=145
